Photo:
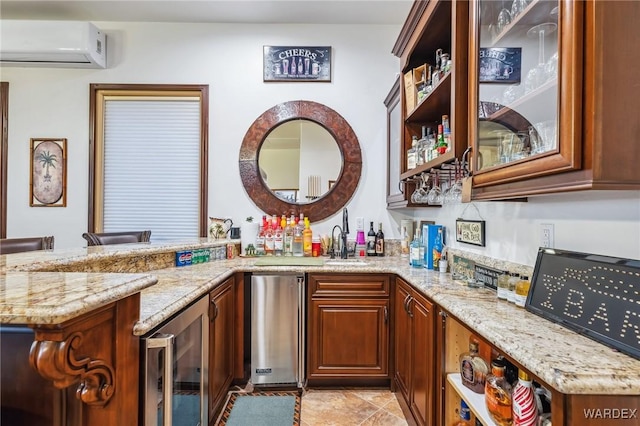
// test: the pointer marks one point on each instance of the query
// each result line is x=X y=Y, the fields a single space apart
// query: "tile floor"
x=357 y=407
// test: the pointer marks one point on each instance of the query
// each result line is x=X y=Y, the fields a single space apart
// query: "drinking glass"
x=435 y=194
x=517 y=7
x=504 y=19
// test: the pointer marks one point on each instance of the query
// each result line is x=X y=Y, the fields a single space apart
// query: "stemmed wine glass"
x=537 y=75
x=435 y=194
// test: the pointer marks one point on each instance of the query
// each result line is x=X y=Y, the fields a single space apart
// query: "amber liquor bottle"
x=380 y=241
x=473 y=369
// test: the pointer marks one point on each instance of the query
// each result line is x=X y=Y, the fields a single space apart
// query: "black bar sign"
x=486 y=276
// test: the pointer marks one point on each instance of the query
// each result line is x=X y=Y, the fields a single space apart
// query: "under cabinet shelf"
x=537 y=12
x=534 y=95
x=475 y=401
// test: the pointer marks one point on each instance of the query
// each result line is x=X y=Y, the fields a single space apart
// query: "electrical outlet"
x=546 y=235
x=360 y=223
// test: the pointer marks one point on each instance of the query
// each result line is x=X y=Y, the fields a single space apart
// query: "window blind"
x=152 y=167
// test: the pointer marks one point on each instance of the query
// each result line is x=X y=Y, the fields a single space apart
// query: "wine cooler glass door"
x=175 y=391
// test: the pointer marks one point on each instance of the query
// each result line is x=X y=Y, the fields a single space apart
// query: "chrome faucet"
x=344 y=231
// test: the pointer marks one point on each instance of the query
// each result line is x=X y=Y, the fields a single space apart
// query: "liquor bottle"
x=269 y=241
x=473 y=369
x=307 y=238
x=465 y=415
x=431 y=142
x=380 y=241
x=260 y=240
x=421 y=146
x=521 y=291
x=442 y=145
x=405 y=244
x=503 y=285
x=416 y=252
x=288 y=236
x=497 y=393
x=297 y=240
x=511 y=292
x=412 y=153
x=524 y=409
x=371 y=241
x=278 y=239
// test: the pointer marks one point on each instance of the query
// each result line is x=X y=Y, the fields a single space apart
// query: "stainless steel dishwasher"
x=277 y=332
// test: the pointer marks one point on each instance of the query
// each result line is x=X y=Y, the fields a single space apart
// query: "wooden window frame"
x=96 y=132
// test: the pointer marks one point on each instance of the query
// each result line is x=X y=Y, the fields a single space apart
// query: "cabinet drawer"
x=354 y=285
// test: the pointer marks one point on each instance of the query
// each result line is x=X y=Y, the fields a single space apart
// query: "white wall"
x=602 y=222
x=55 y=103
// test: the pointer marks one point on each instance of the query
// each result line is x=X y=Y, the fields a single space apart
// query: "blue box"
x=429 y=237
x=184 y=258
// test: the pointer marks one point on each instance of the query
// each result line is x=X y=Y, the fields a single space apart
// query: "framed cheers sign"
x=296 y=63
x=470 y=232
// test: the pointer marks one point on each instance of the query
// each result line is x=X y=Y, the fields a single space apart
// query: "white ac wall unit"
x=63 y=44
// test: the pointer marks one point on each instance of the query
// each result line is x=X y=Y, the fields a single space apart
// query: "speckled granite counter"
x=571 y=363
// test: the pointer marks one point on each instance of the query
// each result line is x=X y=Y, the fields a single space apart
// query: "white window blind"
x=152 y=167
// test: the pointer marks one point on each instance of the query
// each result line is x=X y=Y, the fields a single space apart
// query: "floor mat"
x=275 y=408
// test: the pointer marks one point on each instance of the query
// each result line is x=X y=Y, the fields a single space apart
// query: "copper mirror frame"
x=336 y=125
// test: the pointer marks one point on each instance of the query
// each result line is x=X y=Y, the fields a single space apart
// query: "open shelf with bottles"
x=475 y=401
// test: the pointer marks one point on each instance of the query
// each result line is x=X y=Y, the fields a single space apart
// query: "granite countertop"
x=565 y=360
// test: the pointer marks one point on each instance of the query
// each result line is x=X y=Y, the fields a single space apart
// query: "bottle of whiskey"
x=497 y=394
x=307 y=238
x=412 y=154
x=473 y=369
x=380 y=241
x=371 y=241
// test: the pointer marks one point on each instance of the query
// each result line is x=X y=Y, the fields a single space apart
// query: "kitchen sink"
x=345 y=262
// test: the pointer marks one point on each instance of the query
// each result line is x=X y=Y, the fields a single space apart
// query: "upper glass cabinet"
x=525 y=89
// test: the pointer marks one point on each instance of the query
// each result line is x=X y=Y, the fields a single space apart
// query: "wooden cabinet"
x=431 y=26
x=568 y=120
x=569 y=410
x=414 y=351
x=395 y=190
x=348 y=328
x=222 y=338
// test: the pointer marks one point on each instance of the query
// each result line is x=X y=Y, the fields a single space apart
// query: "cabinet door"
x=422 y=383
x=525 y=90
x=221 y=343
x=403 y=330
x=395 y=154
x=348 y=337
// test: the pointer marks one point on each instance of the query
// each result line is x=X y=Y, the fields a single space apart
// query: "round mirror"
x=299 y=161
x=321 y=186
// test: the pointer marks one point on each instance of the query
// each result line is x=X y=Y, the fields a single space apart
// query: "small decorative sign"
x=462 y=268
x=470 y=232
x=594 y=295
x=500 y=64
x=295 y=63
x=48 y=179
x=486 y=276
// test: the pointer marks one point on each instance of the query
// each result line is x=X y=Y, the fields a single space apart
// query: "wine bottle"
x=371 y=241
x=380 y=241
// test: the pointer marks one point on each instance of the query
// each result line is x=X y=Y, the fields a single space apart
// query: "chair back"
x=107 y=238
x=19 y=245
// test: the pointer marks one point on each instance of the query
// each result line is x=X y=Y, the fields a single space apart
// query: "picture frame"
x=470 y=232
x=297 y=63
x=48 y=177
x=500 y=65
x=289 y=195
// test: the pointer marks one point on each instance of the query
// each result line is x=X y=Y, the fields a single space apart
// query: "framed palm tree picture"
x=48 y=179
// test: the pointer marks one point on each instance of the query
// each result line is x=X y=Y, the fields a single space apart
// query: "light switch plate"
x=546 y=235
x=360 y=223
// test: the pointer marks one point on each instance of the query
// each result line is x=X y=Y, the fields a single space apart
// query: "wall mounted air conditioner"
x=64 y=44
